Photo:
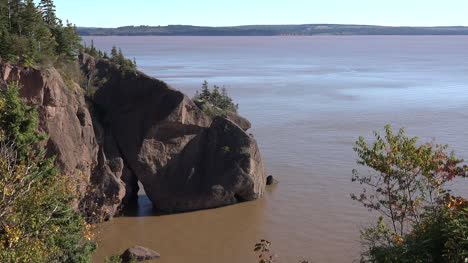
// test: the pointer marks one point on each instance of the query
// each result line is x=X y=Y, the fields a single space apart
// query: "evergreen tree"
x=5 y=45
x=92 y=49
x=114 y=52
x=14 y=19
x=48 y=12
x=18 y=122
x=3 y=15
x=120 y=57
x=67 y=40
x=215 y=102
x=30 y=18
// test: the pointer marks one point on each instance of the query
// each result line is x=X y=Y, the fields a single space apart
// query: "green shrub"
x=226 y=149
x=214 y=102
x=265 y=254
x=420 y=221
x=118 y=58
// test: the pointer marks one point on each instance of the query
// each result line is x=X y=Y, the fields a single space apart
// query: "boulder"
x=239 y=120
x=270 y=180
x=220 y=166
x=139 y=253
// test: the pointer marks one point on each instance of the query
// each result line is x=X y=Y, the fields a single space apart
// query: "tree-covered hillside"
x=31 y=33
x=270 y=30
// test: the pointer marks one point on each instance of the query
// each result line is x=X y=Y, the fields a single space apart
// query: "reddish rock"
x=65 y=118
x=140 y=129
x=139 y=253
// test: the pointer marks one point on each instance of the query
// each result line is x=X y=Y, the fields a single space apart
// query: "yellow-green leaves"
x=37 y=222
x=405 y=184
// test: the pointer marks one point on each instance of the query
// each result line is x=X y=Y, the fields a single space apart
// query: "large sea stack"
x=137 y=128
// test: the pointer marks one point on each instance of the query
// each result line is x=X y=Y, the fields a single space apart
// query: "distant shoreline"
x=273 y=30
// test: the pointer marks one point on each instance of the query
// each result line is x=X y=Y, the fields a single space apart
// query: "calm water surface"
x=308 y=98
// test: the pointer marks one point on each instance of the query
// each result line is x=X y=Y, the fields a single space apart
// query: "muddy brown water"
x=308 y=98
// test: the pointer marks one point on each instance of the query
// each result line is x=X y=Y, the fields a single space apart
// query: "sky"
x=115 y=13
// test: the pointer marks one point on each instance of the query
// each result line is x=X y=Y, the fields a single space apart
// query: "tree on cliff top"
x=213 y=101
x=48 y=12
x=30 y=34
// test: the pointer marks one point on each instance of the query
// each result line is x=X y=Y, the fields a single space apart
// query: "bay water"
x=309 y=99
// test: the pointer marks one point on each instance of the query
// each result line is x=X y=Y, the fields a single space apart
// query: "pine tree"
x=48 y=12
x=5 y=45
x=120 y=57
x=114 y=52
x=205 y=94
x=31 y=18
x=92 y=49
x=14 y=19
x=18 y=122
x=3 y=15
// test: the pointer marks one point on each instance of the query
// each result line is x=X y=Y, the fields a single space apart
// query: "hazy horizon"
x=286 y=24
x=118 y=13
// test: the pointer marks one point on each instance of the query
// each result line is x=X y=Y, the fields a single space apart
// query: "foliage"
x=407 y=188
x=31 y=34
x=118 y=58
x=18 y=122
x=37 y=222
x=226 y=149
x=93 y=51
x=264 y=253
x=442 y=236
x=215 y=102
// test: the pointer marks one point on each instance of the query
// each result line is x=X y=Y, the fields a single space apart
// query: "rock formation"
x=138 y=253
x=65 y=118
x=137 y=128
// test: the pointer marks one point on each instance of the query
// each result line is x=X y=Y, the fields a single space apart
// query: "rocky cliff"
x=137 y=128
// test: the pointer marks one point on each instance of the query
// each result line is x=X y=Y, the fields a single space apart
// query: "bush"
x=214 y=102
x=37 y=222
x=265 y=254
x=407 y=188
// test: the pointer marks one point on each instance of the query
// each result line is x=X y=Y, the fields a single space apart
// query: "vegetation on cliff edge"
x=31 y=33
x=37 y=219
x=213 y=102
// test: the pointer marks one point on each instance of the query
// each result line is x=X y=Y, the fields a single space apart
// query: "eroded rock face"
x=221 y=166
x=175 y=149
x=140 y=129
x=65 y=118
